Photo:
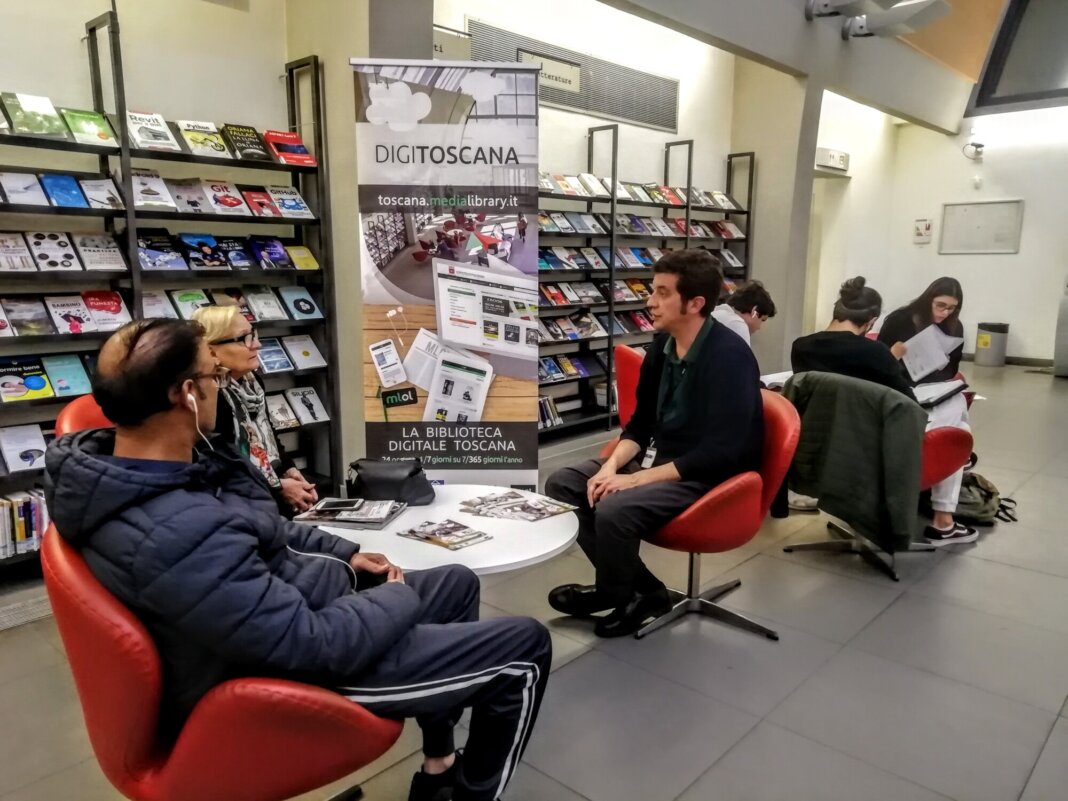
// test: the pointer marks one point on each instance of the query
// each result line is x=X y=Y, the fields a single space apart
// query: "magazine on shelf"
x=562 y=223
x=352 y=513
x=282 y=415
x=101 y=193
x=108 y=309
x=260 y=202
x=150 y=132
x=156 y=251
x=270 y=253
x=264 y=303
x=202 y=252
x=203 y=139
x=52 y=250
x=15 y=257
x=6 y=329
x=23 y=378
x=302 y=257
x=155 y=304
x=299 y=303
x=233 y=296
x=89 y=127
x=22 y=189
x=238 y=253
x=273 y=357
x=306 y=404
x=447 y=533
x=187 y=301
x=246 y=143
x=513 y=505
x=69 y=313
x=288 y=148
x=28 y=316
x=225 y=199
x=546 y=224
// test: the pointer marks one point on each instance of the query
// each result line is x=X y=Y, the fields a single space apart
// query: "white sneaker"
x=801 y=503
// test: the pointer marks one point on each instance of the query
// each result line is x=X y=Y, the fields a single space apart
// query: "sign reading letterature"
x=447 y=157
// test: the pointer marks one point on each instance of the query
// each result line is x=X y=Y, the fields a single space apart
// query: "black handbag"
x=381 y=480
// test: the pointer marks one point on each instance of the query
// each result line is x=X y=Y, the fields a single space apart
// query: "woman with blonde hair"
x=243 y=419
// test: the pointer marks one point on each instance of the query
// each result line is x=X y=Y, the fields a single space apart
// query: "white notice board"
x=992 y=226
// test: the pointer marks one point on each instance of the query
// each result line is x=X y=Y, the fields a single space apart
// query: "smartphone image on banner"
x=388 y=364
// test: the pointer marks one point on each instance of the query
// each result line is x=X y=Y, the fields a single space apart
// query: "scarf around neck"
x=255 y=436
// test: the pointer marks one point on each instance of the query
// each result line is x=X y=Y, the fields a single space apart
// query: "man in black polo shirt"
x=698 y=422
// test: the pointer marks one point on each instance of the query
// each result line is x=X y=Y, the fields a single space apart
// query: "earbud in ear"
x=192 y=402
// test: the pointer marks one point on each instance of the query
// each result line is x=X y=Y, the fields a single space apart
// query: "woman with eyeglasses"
x=940 y=305
x=243 y=419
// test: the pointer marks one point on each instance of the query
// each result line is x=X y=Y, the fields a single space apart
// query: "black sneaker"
x=958 y=534
x=435 y=787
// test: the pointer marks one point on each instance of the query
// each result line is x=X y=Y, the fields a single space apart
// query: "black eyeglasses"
x=220 y=375
x=244 y=339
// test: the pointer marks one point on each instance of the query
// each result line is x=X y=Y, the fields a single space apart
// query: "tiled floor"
x=949 y=684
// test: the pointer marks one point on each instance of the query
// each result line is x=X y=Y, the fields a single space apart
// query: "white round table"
x=516 y=543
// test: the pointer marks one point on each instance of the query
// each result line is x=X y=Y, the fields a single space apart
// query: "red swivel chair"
x=727 y=516
x=250 y=739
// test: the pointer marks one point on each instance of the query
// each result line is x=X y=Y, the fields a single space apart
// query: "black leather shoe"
x=577 y=600
x=629 y=618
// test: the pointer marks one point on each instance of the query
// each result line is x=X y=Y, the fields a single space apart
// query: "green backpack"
x=981 y=504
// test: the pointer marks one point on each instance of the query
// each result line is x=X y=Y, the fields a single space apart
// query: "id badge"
x=650 y=456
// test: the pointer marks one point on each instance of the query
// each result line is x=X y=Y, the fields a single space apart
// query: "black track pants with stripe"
x=451 y=661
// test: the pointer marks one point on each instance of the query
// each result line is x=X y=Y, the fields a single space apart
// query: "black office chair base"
x=704 y=603
x=846 y=540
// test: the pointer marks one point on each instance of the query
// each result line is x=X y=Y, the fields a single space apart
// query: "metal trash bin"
x=990 y=342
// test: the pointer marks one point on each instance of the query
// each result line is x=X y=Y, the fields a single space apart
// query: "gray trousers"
x=450 y=661
x=610 y=533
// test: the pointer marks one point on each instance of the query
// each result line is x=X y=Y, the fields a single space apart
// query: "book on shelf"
x=593 y=259
x=288 y=148
x=303 y=352
x=704 y=231
x=586 y=325
x=224 y=198
x=552 y=329
x=567 y=257
x=270 y=253
x=639 y=193
x=728 y=230
x=569 y=369
x=592 y=184
x=661 y=227
x=305 y=402
x=6 y=329
x=577 y=223
x=101 y=193
x=628 y=258
x=725 y=201
x=656 y=254
x=156 y=250
x=202 y=252
x=628 y=323
x=281 y=413
x=587 y=292
x=15 y=257
x=233 y=296
x=238 y=253
x=22 y=189
x=299 y=302
x=671 y=196
x=187 y=301
x=546 y=224
x=289 y=201
x=245 y=142
x=27 y=315
x=577 y=185
x=149 y=190
x=188 y=195
x=552 y=293
x=643 y=256
x=730 y=258
x=621 y=190
x=545 y=182
x=89 y=127
x=265 y=304
x=63 y=191
x=562 y=222
x=639 y=288
x=654 y=192
x=567 y=330
x=33 y=115
x=570 y=295
x=273 y=357
x=108 y=309
x=260 y=202
x=155 y=304
x=610 y=323
x=23 y=447
x=150 y=132
x=24 y=518
x=564 y=187
x=23 y=378
x=302 y=257
x=203 y=139
x=67 y=375
x=642 y=320
x=52 y=250
x=623 y=293
x=551 y=370
x=69 y=313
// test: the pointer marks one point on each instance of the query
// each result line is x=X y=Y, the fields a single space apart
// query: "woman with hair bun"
x=844 y=348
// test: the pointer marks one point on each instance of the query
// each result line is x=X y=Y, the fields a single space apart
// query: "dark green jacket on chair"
x=860 y=454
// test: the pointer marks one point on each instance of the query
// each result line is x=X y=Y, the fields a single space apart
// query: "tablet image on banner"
x=387 y=363
x=458 y=391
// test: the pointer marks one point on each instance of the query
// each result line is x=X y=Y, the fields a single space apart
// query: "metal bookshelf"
x=319 y=443
x=593 y=416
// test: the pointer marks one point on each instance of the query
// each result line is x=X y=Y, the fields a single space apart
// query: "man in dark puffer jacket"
x=192 y=542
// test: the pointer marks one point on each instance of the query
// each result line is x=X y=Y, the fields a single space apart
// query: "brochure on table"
x=448 y=237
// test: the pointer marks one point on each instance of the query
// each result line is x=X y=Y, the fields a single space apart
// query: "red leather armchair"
x=726 y=517
x=250 y=739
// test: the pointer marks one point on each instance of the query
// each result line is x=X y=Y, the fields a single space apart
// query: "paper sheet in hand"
x=929 y=351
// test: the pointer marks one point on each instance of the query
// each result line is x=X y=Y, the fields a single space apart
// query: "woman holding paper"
x=243 y=419
x=939 y=305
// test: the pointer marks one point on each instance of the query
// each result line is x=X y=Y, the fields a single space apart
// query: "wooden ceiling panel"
x=961 y=39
